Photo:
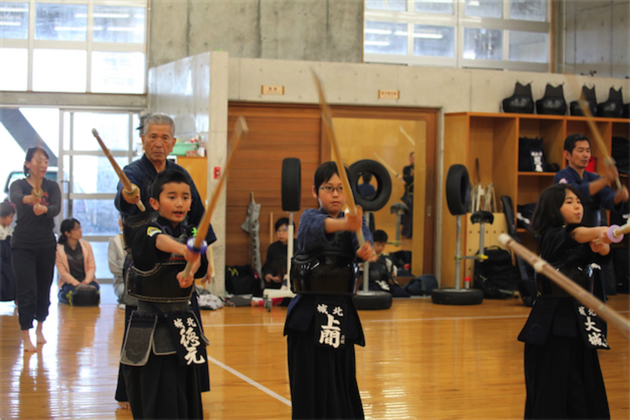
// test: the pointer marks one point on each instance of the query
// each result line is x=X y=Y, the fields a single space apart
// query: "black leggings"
x=33 y=269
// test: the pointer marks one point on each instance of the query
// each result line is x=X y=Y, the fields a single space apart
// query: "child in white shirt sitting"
x=7 y=278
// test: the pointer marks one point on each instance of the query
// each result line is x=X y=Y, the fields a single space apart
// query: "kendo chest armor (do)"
x=324 y=272
x=160 y=283
x=582 y=275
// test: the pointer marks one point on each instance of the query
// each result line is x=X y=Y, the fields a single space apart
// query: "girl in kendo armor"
x=562 y=373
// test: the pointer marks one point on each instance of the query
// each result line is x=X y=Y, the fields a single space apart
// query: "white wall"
x=597 y=37
x=451 y=90
x=193 y=91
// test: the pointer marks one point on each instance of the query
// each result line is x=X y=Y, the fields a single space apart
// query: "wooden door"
x=393 y=133
x=278 y=131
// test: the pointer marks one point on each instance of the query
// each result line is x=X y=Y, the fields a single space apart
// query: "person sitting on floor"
x=275 y=266
x=116 y=255
x=7 y=278
x=383 y=270
x=75 y=263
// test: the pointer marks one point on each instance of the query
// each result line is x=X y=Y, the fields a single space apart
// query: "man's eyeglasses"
x=329 y=189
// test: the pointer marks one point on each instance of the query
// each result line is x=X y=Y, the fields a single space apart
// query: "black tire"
x=372 y=300
x=457 y=296
x=291 y=184
x=457 y=190
x=379 y=199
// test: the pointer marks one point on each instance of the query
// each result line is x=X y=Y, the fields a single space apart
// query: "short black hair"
x=282 y=221
x=6 y=209
x=569 y=142
x=324 y=172
x=379 y=235
x=165 y=177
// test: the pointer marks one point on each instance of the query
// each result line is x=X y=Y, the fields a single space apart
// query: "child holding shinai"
x=161 y=347
x=322 y=325
x=562 y=373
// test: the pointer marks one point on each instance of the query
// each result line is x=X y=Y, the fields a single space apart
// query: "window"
x=499 y=34
x=73 y=46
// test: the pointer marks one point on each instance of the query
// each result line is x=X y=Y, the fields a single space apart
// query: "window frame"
x=459 y=22
x=31 y=44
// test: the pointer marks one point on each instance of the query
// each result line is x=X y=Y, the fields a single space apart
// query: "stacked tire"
x=457 y=199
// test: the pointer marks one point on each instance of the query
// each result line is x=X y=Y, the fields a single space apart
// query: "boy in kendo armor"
x=161 y=347
x=322 y=325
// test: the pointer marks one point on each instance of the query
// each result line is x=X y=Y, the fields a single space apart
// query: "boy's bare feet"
x=39 y=334
x=26 y=340
x=124 y=405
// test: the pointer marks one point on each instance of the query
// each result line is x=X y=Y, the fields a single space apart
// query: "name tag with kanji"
x=592 y=328
x=330 y=323
x=187 y=336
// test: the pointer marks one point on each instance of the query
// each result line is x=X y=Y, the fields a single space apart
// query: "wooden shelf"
x=492 y=139
x=537 y=174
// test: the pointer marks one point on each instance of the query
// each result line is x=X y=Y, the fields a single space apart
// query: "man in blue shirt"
x=595 y=190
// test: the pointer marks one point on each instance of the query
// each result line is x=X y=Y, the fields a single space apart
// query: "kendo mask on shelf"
x=589 y=96
x=613 y=107
x=521 y=102
x=553 y=102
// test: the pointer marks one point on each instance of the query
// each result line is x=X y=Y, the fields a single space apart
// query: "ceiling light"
x=13 y=10
x=121 y=29
x=377 y=43
x=428 y=36
x=70 y=28
x=112 y=15
x=378 y=31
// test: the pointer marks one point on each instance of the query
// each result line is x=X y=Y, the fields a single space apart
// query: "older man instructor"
x=158 y=141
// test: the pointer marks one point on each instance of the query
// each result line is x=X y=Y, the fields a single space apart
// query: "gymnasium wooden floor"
x=422 y=361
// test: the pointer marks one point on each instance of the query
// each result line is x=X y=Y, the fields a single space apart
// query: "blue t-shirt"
x=593 y=204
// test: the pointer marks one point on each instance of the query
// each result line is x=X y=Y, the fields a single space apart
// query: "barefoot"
x=124 y=405
x=26 y=340
x=39 y=334
x=40 y=338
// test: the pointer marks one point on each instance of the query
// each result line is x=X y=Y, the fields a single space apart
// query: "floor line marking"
x=276 y=324
x=455 y=318
x=250 y=381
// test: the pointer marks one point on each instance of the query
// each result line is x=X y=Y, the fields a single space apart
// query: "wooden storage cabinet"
x=197 y=167
x=492 y=139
